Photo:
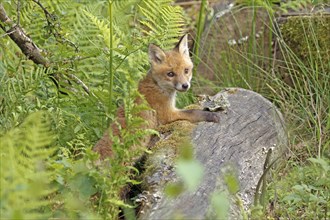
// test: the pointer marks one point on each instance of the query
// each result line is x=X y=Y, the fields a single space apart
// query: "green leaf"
x=120 y=203
x=191 y=172
x=292 y=197
x=84 y=185
x=324 y=164
x=220 y=204
x=232 y=182
x=174 y=189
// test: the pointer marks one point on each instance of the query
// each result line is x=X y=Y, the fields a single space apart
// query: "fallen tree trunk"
x=248 y=128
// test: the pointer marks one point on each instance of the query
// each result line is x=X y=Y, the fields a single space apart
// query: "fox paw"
x=212 y=117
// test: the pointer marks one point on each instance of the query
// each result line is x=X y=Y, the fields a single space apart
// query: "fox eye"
x=170 y=74
x=186 y=70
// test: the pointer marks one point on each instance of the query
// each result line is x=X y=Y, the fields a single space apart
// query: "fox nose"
x=185 y=86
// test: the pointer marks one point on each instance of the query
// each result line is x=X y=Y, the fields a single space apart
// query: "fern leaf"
x=162 y=22
x=25 y=177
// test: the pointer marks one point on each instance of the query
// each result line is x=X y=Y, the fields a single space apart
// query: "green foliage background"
x=298 y=187
x=48 y=129
x=49 y=123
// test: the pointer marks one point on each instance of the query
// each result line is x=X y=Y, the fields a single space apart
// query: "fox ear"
x=182 y=46
x=156 y=54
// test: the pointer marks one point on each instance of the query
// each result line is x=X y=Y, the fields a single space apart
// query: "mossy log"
x=249 y=127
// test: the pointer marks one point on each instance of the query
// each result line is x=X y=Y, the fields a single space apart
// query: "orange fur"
x=170 y=71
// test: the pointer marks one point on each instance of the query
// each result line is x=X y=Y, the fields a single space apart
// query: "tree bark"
x=31 y=50
x=249 y=127
x=17 y=34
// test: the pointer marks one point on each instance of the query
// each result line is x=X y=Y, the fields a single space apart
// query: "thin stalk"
x=270 y=33
x=252 y=43
x=200 y=28
x=111 y=73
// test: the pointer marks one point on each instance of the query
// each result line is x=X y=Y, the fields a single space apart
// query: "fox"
x=170 y=72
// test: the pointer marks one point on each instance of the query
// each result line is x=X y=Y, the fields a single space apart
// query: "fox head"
x=171 y=70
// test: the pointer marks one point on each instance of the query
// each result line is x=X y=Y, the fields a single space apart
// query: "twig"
x=77 y=58
x=79 y=82
x=29 y=49
x=44 y=9
x=6 y=34
x=50 y=19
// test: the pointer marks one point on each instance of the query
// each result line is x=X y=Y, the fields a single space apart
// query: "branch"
x=25 y=43
x=79 y=82
x=49 y=15
x=17 y=34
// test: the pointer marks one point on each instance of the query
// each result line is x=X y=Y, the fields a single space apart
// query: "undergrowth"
x=287 y=62
x=50 y=118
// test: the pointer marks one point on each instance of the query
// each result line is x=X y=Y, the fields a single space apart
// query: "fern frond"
x=25 y=177
x=162 y=22
x=21 y=92
x=78 y=120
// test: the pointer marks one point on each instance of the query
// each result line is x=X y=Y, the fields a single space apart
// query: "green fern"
x=77 y=118
x=25 y=176
x=162 y=22
x=21 y=92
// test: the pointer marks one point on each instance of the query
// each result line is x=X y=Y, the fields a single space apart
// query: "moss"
x=173 y=136
x=158 y=166
x=308 y=37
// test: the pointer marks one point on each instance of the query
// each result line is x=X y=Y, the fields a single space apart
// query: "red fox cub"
x=170 y=71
